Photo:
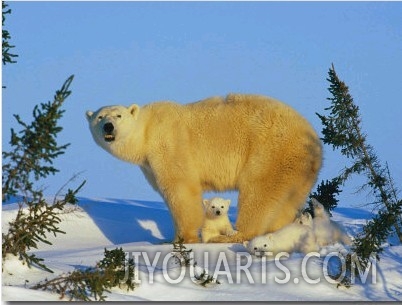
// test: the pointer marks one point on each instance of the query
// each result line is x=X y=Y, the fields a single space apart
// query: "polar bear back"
x=220 y=134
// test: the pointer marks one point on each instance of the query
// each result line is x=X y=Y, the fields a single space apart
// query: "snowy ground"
x=144 y=229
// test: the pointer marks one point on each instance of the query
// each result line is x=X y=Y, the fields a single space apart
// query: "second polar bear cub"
x=305 y=219
x=326 y=230
x=216 y=220
x=294 y=237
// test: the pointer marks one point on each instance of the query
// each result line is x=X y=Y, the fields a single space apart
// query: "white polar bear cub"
x=325 y=230
x=216 y=221
x=294 y=237
x=305 y=219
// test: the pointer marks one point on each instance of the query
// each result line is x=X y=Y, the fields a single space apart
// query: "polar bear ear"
x=89 y=115
x=315 y=202
x=245 y=243
x=134 y=110
x=205 y=202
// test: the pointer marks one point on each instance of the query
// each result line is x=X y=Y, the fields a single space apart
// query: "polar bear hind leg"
x=270 y=201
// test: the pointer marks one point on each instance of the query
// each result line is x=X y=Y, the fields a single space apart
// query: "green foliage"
x=181 y=254
x=368 y=242
x=34 y=149
x=184 y=258
x=75 y=284
x=114 y=270
x=32 y=225
x=204 y=279
x=342 y=129
x=6 y=55
x=342 y=126
x=117 y=267
x=326 y=194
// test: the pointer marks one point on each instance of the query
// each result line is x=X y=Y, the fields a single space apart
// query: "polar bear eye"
x=265 y=245
x=119 y=116
x=255 y=248
x=213 y=207
x=222 y=206
x=100 y=117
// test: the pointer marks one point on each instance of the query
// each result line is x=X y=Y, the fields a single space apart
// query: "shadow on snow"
x=127 y=221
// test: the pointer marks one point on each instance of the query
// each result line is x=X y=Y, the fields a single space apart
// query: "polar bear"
x=216 y=221
x=305 y=219
x=291 y=238
x=254 y=144
x=327 y=231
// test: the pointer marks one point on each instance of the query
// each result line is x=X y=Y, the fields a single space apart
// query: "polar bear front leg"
x=184 y=201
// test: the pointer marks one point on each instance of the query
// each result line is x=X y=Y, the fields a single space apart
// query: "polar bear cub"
x=216 y=220
x=305 y=219
x=294 y=237
x=325 y=230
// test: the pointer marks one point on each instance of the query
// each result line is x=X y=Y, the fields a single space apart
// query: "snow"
x=144 y=230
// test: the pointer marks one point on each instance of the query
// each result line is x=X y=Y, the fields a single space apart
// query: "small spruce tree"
x=204 y=279
x=34 y=149
x=181 y=254
x=183 y=257
x=342 y=130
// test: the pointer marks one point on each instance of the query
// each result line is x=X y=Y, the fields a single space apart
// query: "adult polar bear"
x=250 y=143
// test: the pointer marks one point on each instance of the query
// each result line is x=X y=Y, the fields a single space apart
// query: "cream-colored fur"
x=327 y=231
x=291 y=238
x=250 y=143
x=216 y=221
x=305 y=219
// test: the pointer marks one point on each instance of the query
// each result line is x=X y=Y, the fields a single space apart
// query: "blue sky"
x=126 y=52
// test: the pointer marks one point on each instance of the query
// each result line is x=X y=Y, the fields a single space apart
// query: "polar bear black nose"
x=218 y=212
x=108 y=127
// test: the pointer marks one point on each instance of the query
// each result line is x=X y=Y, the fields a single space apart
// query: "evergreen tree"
x=326 y=194
x=342 y=130
x=8 y=58
x=34 y=149
x=114 y=270
x=181 y=254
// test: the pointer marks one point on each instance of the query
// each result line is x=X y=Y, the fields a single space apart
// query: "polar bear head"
x=216 y=207
x=112 y=124
x=305 y=219
x=260 y=245
x=319 y=210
